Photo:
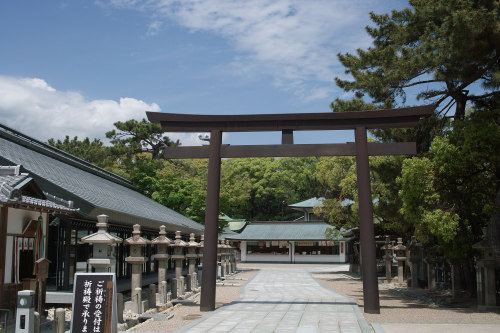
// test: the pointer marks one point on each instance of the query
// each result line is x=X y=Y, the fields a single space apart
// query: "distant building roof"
x=309 y=203
x=95 y=191
x=237 y=226
x=224 y=217
x=233 y=225
x=291 y=231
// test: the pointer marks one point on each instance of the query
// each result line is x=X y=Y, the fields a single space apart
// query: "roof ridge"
x=59 y=154
x=59 y=201
x=10 y=170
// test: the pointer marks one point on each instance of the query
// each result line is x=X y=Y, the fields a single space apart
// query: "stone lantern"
x=388 y=259
x=200 y=256
x=200 y=247
x=220 y=256
x=230 y=257
x=178 y=256
x=400 y=251
x=178 y=253
x=414 y=255
x=192 y=246
x=136 y=258
x=162 y=243
x=225 y=257
x=192 y=256
x=431 y=261
x=102 y=249
x=485 y=270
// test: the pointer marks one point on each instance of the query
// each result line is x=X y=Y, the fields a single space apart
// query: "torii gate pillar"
x=207 y=299
x=367 y=235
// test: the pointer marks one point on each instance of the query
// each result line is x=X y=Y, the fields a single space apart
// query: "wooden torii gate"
x=288 y=123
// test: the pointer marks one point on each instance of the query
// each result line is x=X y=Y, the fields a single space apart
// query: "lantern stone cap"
x=162 y=239
x=178 y=241
x=192 y=242
x=136 y=239
x=202 y=241
x=387 y=245
x=101 y=236
x=400 y=246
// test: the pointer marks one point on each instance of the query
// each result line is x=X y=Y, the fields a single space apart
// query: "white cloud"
x=154 y=28
x=33 y=107
x=295 y=41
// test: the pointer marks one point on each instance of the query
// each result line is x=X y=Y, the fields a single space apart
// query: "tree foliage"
x=262 y=188
x=448 y=194
x=341 y=204
x=94 y=151
x=133 y=137
x=440 y=49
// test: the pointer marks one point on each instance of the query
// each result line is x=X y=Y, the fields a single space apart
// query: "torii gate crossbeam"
x=287 y=123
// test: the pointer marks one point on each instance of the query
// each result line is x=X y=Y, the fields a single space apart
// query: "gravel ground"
x=407 y=306
x=183 y=315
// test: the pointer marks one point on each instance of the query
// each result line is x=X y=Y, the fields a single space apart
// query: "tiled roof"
x=11 y=185
x=93 y=190
x=50 y=205
x=236 y=226
x=282 y=231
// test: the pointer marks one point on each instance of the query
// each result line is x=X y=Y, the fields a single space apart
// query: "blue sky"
x=75 y=67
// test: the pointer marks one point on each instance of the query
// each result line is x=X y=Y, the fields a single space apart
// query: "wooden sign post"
x=42 y=269
x=94 y=303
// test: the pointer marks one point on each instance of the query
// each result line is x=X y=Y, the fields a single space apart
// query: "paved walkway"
x=284 y=300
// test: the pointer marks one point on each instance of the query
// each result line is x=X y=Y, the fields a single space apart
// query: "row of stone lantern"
x=410 y=255
x=401 y=255
x=436 y=267
x=103 y=259
x=227 y=259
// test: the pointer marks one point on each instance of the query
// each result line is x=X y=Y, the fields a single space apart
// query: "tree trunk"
x=461 y=100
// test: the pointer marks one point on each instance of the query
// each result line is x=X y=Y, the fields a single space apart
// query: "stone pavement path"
x=284 y=300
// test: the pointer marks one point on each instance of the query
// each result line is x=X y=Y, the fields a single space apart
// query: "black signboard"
x=93 y=300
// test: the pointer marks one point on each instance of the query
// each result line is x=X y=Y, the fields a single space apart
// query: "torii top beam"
x=388 y=118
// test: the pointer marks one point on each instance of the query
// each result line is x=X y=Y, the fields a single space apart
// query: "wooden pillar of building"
x=67 y=248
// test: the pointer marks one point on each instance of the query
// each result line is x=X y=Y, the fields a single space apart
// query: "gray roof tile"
x=94 y=192
x=282 y=231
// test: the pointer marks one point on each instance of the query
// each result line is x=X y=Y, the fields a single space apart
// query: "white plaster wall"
x=342 y=257
x=267 y=257
x=243 y=248
x=19 y=218
x=317 y=258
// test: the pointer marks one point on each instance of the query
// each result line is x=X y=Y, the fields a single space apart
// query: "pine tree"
x=443 y=49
